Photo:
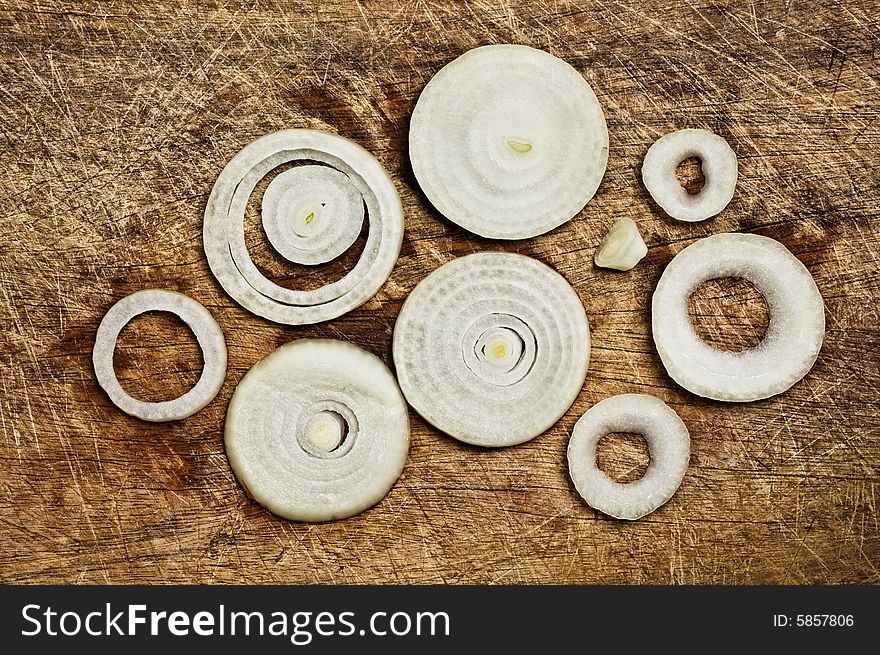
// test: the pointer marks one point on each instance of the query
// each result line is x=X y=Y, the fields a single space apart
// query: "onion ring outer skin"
x=719 y=166
x=508 y=141
x=496 y=295
x=294 y=388
x=206 y=330
x=668 y=444
x=224 y=240
x=794 y=335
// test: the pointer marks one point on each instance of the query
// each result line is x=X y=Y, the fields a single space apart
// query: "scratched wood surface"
x=114 y=123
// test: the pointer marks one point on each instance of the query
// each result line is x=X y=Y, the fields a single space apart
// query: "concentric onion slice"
x=508 y=142
x=793 y=338
x=492 y=348
x=669 y=446
x=311 y=214
x=317 y=431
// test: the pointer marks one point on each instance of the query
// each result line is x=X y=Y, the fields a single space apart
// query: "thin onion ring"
x=207 y=333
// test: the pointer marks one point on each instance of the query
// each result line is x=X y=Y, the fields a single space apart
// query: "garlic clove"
x=622 y=248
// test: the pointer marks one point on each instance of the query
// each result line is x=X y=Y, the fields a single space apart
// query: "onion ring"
x=207 y=333
x=492 y=348
x=668 y=444
x=794 y=335
x=508 y=141
x=223 y=232
x=719 y=166
x=317 y=430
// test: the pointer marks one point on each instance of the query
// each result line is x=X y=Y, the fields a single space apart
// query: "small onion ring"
x=224 y=240
x=285 y=430
x=794 y=335
x=492 y=348
x=719 y=167
x=669 y=446
x=508 y=141
x=207 y=333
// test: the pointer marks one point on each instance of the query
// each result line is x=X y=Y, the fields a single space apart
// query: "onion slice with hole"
x=794 y=334
x=207 y=333
x=508 y=141
x=492 y=348
x=310 y=216
x=719 y=166
x=669 y=446
x=317 y=430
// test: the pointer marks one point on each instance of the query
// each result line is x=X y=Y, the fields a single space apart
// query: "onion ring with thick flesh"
x=508 y=141
x=224 y=240
x=207 y=333
x=719 y=167
x=669 y=446
x=317 y=430
x=492 y=348
x=794 y=335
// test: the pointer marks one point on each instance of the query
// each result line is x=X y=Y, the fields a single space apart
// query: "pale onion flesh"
x=622 y=248
x=299 y=224
x=318 y=430
x=312 y=214
x=508 y=141
x=207 y=333
x=668 y=447
x=492 y=348
x=719 y=165
x=793 y=338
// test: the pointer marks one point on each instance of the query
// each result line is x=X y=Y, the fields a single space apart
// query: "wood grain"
x=115 y=120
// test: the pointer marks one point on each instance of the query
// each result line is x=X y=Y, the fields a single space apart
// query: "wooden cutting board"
x=114 y=123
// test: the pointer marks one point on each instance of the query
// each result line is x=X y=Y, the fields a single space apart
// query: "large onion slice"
x=318 y=430
x=794 y=335
x=311 y=215
x=492 y=348
x=509 y=142
x=669 y=446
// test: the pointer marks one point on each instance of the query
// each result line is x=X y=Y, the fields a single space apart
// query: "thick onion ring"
x=668 y=445
x=794 y=335
x=719 y=166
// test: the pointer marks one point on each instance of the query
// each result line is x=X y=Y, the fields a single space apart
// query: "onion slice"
x=794 y=335
x=312 y=214
x=669 y=446
x=317 y=430
x=492 y=348
x=719 y=167
x=298 y=215
x=508 y=141
x=207 y=333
